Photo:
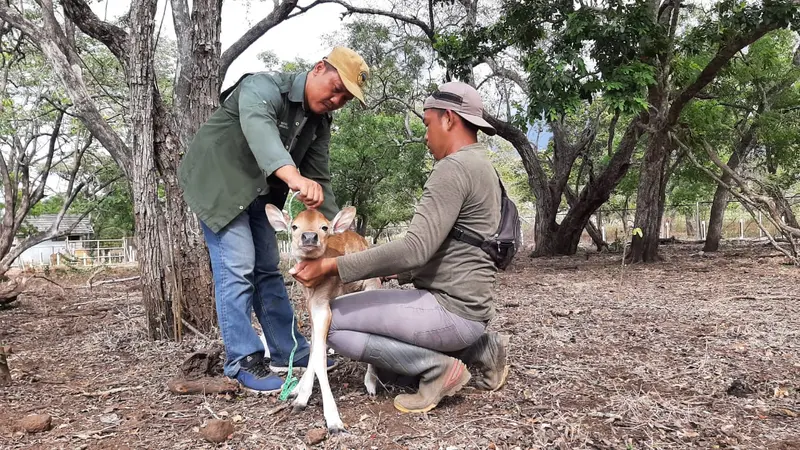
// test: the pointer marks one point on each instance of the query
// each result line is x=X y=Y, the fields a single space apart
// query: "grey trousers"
x=411 y=316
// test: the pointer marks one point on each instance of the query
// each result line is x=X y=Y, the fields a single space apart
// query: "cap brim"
x=354 y=89
x=479 y=122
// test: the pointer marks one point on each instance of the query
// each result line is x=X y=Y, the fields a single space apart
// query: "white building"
x=40 y=253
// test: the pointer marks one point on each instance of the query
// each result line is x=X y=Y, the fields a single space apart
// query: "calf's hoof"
x=337 y=429
x=298 y=407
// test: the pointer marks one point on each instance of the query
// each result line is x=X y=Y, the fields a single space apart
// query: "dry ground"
x=696 y=352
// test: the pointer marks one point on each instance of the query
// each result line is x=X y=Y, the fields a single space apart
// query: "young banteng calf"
x=313 y=236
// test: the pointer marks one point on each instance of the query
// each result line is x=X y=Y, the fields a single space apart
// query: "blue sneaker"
x=301 y=364
x=254 y=376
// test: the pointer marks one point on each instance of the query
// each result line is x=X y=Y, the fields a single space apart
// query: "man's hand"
x=312 y=272
x=310 y=192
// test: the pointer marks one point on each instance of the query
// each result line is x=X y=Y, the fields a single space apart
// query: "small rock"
x=109 y=418
x=316 y=435
x=36 y=423
x=739 y=388
x=217 y=430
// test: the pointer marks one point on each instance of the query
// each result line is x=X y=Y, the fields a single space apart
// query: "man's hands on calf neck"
x=310 y=192
x=312 y=272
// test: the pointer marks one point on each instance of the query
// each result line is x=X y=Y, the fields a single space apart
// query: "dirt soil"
x=699 y=351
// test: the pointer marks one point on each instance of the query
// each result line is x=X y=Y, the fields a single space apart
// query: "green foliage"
x=574 y=53
x=374 y=168
x=507 y=163
x=558 y=42
x=757 y=90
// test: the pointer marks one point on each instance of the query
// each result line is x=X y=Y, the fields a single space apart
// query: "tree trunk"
x=189 y=256
x=716 y=218
x=568 y=236
x=158 y=287
x=568 y=239
x=782 y=206
x=596 y=235
x=6 y=240
x=690 y=232
x=361 y=225
x=788 y=215
x=189 y=264
x=721 y=195
x=597 y=192
x=545 y=228
x=650 y=198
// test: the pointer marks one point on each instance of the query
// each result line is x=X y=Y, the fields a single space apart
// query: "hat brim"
x=478 y=122
x=354 y=89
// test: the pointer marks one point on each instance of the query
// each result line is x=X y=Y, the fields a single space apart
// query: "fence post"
x=697 y=216
x=603 y=231
x=667 y=230
x=760 y=231
x=741 y=228
x=702 y=229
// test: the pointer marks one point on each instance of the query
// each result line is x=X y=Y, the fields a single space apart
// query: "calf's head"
x=310 y=229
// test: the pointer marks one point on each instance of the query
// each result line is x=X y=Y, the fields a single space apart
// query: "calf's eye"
x=324 y=228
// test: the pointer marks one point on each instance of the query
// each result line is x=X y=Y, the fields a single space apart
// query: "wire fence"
x=79 y=253
x=680 y=221
x=683 y=222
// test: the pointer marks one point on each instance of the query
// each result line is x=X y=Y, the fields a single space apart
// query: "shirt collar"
x=298 y=90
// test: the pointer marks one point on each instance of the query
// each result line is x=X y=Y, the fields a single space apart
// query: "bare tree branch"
x=183 y=32
x=8 y=194
x=426 y=28
x=537 y=178
x=508 y=74
x=398 y=100
x=113 y=37
x=748 y=199
x=72 y=80
x=302 y=9
x=275 y=17
x=39 y=191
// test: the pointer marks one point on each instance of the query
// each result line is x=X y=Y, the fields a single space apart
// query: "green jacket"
x=260 y=126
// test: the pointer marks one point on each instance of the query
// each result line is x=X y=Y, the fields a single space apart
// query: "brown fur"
x=334 y=239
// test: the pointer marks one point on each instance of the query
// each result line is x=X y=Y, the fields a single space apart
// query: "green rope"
x=291 y=380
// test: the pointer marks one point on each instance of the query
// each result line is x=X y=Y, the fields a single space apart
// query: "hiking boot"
x=254 y=376
x=301 y=364
x=440 y=375
x=488 y=355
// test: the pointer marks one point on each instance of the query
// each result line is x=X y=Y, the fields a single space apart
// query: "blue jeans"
x=244 y=262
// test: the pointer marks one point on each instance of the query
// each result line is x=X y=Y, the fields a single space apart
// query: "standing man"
x=270 y=134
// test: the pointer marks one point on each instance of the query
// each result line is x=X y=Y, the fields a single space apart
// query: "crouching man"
x=431 y=332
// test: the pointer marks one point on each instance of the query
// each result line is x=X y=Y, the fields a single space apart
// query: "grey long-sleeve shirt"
x=462 y=189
